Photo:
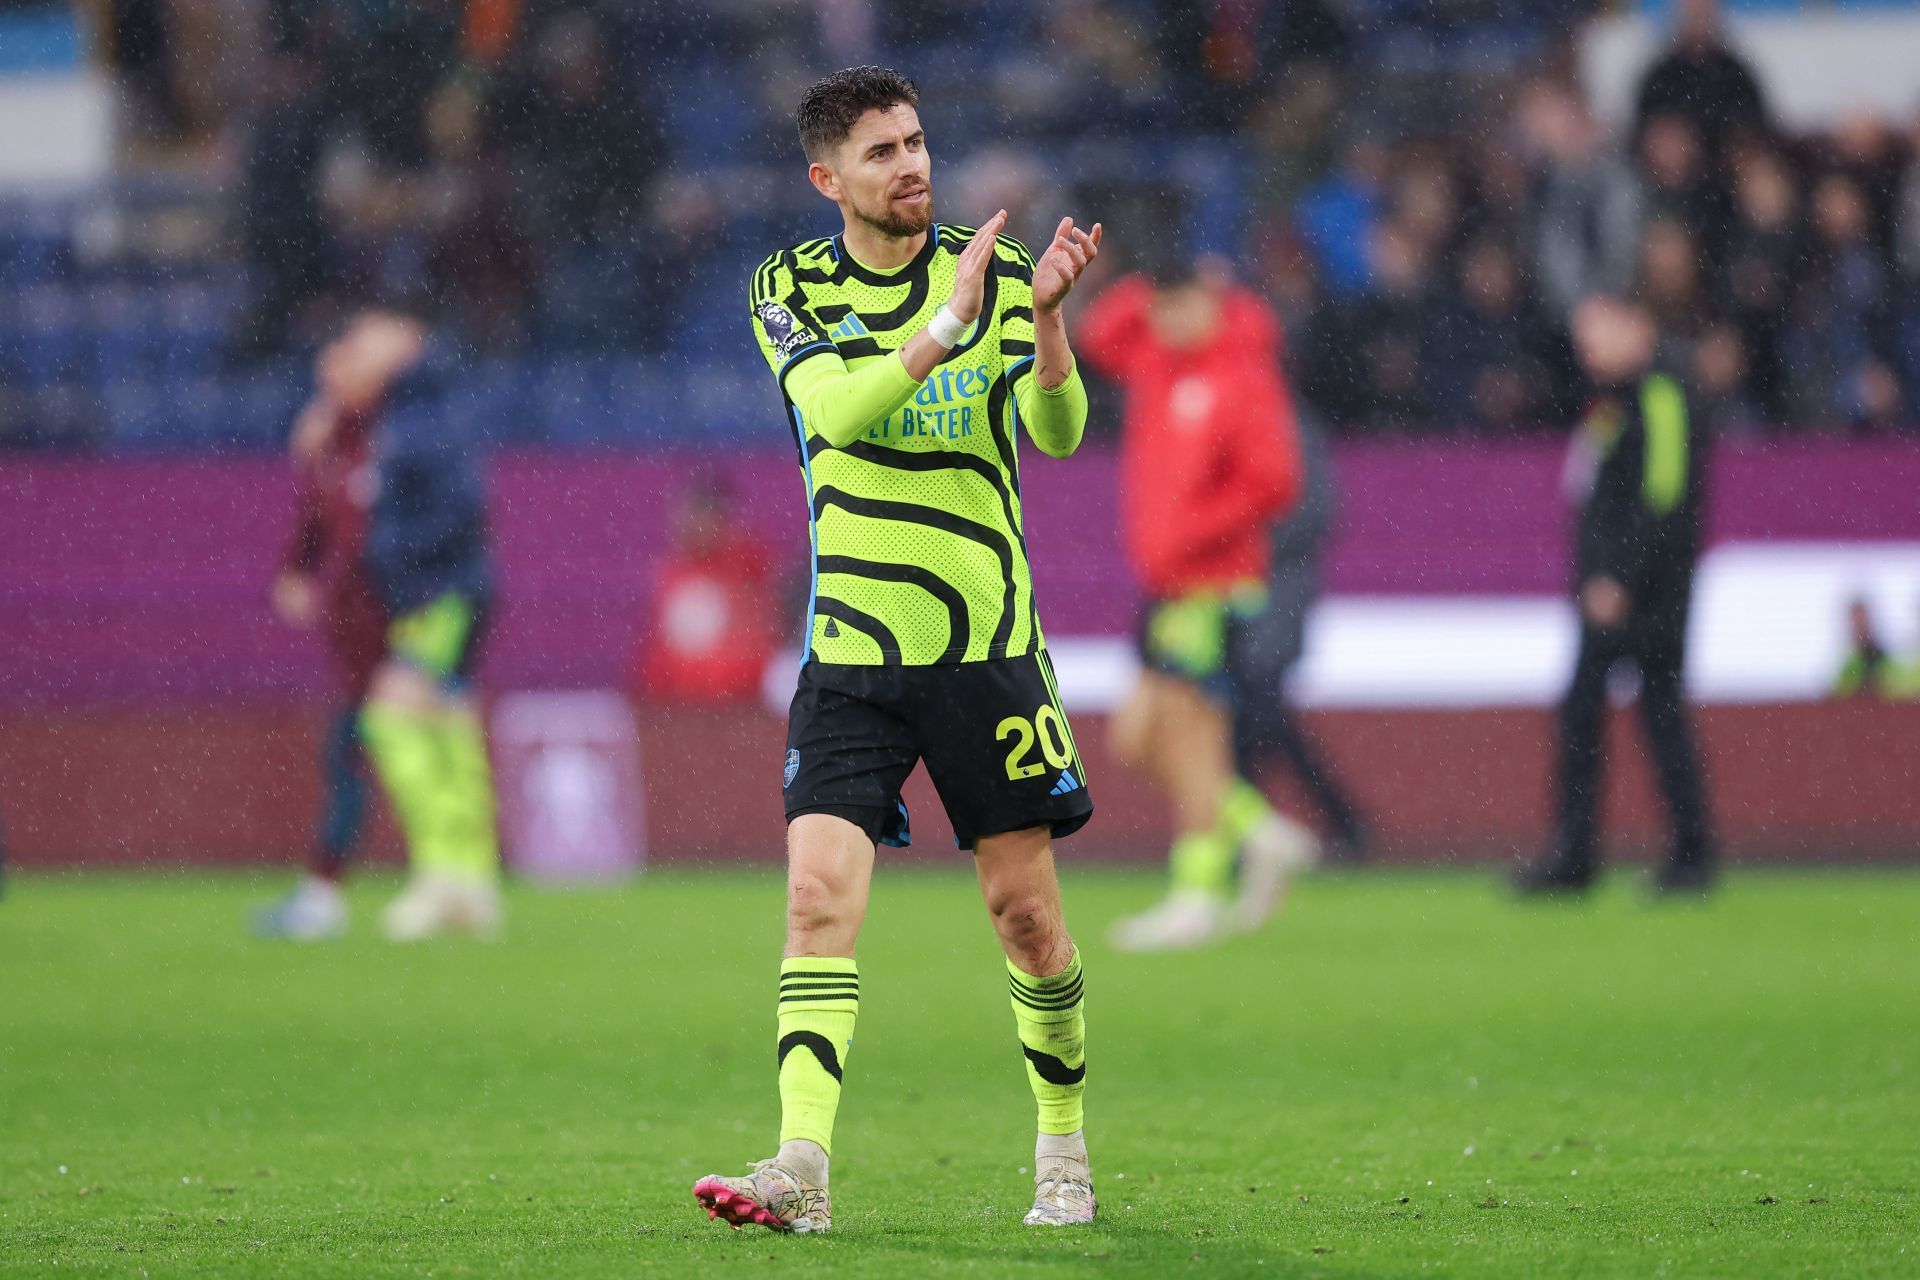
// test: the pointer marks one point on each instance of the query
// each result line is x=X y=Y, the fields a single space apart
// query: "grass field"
x=1409 y=1075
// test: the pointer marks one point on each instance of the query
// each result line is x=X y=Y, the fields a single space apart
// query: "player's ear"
x=824 y=181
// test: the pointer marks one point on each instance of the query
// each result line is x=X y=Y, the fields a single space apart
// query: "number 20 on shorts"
x=1046 y=731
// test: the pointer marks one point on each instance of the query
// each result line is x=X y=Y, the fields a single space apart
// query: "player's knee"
x=1127 y=741
x=405 y=688
x=1025 y=920
x=814 y=906
x=810 y=901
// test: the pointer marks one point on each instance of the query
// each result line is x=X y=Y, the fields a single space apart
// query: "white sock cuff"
x=1069 y=1146
x=804 y=1157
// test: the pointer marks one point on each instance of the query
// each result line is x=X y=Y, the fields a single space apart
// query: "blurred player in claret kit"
x=909 y=355
x=324 y=584
x=1209 y=462
x=392 y=559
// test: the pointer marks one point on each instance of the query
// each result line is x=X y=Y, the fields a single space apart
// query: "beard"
x=898 y=223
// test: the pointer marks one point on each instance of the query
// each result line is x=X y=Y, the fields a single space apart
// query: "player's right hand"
x=1604 y=602
x=970 y=279
x=296 y=599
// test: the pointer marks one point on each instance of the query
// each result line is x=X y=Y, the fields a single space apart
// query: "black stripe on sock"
x=831 y=995
x=822 y=1050
x=1036 y=986
x=815 y=973
x=819 y=986
x=1068 y=1007
x=1049 y=1068
x=1065 y=1000
x=1047 y=993
x=1061 y=993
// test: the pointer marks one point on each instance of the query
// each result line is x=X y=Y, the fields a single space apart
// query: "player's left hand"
x=1056 y=270
x=296 y=599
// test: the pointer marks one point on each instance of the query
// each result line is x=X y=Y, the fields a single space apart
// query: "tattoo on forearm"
x=1052 y=358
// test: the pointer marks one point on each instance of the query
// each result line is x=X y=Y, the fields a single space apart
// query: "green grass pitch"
x=1407 y=1075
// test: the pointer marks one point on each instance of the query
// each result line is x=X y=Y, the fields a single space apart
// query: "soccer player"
x=424 y=557
x=1208 y=463
x=324 y=585
x=909 y=354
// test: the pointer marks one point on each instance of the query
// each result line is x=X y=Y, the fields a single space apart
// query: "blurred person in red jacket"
x=324 y=585
x=1209 y=462
x=709 y=627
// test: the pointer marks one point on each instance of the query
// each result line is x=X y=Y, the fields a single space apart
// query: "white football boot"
x=774 y=1195
x=313 y=910
x=1186 y=918
x=433 y=905
x=1062 y=1182
x=1274 y=852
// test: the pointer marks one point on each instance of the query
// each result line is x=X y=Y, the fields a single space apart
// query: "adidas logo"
x=1066 y=784
x=851 y=327
x=832 y=630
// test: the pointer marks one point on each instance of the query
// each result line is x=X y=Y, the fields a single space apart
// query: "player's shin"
x=465 y=799
x=819 y=1003
x=401 y=743
x=1053 y=1036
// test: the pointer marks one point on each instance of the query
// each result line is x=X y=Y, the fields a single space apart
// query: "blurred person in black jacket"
x=1703 y=79
x=1765 y=254
x=1266 y=729
x=1635 y=472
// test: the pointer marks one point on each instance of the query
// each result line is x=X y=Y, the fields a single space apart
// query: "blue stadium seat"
x=493 y=403
x=127 y=335
x=256 y=406
x=52 y=337
x=195 y=319
x=33 y=255
x=649 y=398
x=139 y=414
x=577 y=400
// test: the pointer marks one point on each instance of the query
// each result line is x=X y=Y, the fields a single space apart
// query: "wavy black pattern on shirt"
x=947 y=522
x=860 y=620
x=950 y=460
x=959 y=624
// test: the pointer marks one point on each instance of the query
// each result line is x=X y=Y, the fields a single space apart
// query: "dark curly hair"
x=831 y=105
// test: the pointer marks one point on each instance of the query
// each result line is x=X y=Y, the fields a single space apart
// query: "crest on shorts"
x=785 y=332
x=793 y=767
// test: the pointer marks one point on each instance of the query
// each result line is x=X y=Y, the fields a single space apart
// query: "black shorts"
x=1194 y=637
x=993 y=734
x=441 y=638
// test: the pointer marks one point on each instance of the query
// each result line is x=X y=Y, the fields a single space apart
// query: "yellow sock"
x=406 y=754
x=1241 y=811
x=1203 y=860
x=819 y=1002
x=463 y=805
x=1053 y=1035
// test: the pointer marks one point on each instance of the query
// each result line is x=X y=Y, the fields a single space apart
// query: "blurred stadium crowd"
x=1421 y=188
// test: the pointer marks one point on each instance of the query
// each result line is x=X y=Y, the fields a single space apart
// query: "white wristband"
x=945 y=328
